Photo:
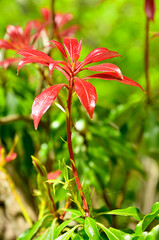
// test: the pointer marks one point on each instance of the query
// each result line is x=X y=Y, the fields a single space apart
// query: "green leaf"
x=120 y=234
x=91 y=229
x=109 y=234
x=143 y=236
x=52 y=230
x=141 y=227
x=67 y=235
x=75 y=213
x=154 y=234
x=63 y=225
x=39 y=167
x=43 y=236
x=29 y=233
x=130 y=211
x=63 y=169
x=77 y=237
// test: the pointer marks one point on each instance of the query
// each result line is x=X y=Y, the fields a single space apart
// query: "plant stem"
x=18 y=199
x=147 y=60
x=70 y=149
x=52 y=23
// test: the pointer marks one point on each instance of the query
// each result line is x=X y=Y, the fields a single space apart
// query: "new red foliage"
x=70 y=68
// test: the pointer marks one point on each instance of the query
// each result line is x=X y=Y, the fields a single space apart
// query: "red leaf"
x=108 y=68
x=52 y=67
x=73 y=47
x=60 y=47
x=150 y=9
x=10 y=157
x=63 y=71
x=8 y=62
x=32 y=56
x=6 y=45
x=111 y=76
x=31 y=60
x=99 y=54
x=87 y=95
x=16 y=36
x=35 y=53
x=53 y=175
x=43 y=101
x=46 y=14
x=131 y=82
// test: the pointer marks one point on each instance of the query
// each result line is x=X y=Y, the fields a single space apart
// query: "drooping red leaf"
x=54 y=175
x=150 y=9
x=111 y=76
x=8 y=62
x=60 y=47
x=10 y=157
x=73 y=47
x=86 y=93
x=35 y=53
x=34 y=56
x=99 y=54
x=43 y=101
x=131 y=82
x=6 y=45
x=31 y=60
x=108 y=68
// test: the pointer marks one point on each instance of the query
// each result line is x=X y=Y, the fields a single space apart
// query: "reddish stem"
x=147 y=60
x=52 y=23
x=70 y=149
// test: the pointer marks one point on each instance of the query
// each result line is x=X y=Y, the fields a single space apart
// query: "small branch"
x=66 y=207
x=16 y=117
x=147 y=59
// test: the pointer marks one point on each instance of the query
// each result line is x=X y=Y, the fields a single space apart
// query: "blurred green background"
x=117 y=152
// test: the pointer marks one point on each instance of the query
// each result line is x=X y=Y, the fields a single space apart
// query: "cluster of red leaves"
x=61 y=22
x=19 y=39
x=85 y=91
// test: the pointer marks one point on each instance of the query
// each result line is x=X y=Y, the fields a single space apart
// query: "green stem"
x=18 y=199
x=70 y=149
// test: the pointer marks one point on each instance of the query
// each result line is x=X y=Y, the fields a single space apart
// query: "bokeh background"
x=117 y=152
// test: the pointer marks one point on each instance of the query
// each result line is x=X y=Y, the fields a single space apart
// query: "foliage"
x=91 y=177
